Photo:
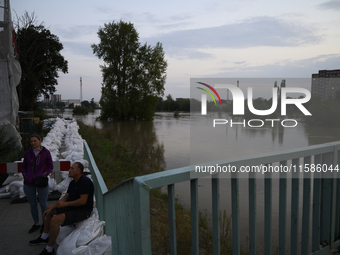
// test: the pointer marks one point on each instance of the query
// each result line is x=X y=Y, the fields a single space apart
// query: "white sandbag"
x=68 y=244
x=21 y=192
x=5 y=195
x=52 y=184
x=98 y=246
x=3 y=189
x=15 y=193
x=80 y=250
x=85 y=163
x=63 y=232
x=16 y=184
x=12 y=178
x=90 y=231
x=108 y=250
x=61 y=187
x=64 y=174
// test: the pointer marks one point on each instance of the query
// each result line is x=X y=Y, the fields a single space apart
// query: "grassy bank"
x=119 y=158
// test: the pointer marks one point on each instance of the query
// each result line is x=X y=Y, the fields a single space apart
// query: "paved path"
x=15 y=221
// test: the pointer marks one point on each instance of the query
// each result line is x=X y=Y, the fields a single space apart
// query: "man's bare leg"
x=54 y=224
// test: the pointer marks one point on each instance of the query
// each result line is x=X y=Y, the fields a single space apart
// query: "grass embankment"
x=119 y=158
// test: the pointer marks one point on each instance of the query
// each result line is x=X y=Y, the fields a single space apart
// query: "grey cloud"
x=103 y=9
x=74 y=32
x=171 y=26
x=187 y=53
x=262 y=31
x=83 y=49
x=296 y=69
x=330 y=5
x=259 y=31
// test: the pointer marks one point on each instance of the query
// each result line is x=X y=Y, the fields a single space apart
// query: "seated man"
x=75 y=206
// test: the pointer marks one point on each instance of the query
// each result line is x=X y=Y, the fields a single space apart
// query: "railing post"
x=316 y=207
x=235 y=214
x=194 y=217
x=267 y=214
x=172 y=219
x=306 y=209
x=326 y=198
x=282 y=210
x=215 y=181
x=252 y=213
x=334 y=197
x=294 y=209
x=142 y=218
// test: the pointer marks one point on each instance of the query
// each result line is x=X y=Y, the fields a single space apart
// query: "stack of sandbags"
x=86 y=237
x=13 y=187
x=53 y=139
x=73 y=143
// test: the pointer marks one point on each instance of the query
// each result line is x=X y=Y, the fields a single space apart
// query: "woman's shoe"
x=34 y=228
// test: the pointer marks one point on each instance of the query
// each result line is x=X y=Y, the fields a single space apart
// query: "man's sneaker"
x=39 y=240
x=34 y=228
x=45 y=252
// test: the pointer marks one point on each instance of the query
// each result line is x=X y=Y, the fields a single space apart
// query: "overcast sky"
x=234 y=38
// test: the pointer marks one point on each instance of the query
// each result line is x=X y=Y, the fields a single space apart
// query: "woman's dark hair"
x=37 y=136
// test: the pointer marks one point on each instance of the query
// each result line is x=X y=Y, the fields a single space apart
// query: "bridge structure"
x=126 y=207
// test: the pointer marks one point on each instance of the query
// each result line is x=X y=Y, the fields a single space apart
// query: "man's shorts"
x=73 y=215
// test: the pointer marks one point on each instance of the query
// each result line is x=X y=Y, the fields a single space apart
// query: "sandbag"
x=52 y=184
x=14 y=187
x=15 y=177
x=16 y=184
x=5 y=195
x=90 y=231
x=21 y=192
x=61 y=187
x=68 y=244
x=99 y=246
x=63 y=232
x=3 y=189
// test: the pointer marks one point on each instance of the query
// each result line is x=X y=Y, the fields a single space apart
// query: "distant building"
x=326 y=83
x=65 y=102
x=74 y=101
x=55 y=98
x=46 y=99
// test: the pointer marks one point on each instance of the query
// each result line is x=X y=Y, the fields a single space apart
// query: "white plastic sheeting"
x=10 y=75
x=86 y=238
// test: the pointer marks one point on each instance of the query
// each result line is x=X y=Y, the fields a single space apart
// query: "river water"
x=173 y=135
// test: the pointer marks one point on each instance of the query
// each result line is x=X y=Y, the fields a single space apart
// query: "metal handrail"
x=126 y=207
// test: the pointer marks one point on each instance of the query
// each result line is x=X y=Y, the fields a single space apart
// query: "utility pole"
x=81 y=90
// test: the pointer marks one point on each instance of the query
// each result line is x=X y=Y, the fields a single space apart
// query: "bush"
x=80 y=110
x=9 y=152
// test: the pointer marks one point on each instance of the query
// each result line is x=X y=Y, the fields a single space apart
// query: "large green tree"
x=40 y=60
x=133 y=74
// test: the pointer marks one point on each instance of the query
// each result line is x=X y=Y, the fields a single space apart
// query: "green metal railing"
x=126 y=207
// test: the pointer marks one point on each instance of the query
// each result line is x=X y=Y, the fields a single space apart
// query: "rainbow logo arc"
x=208 y=92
